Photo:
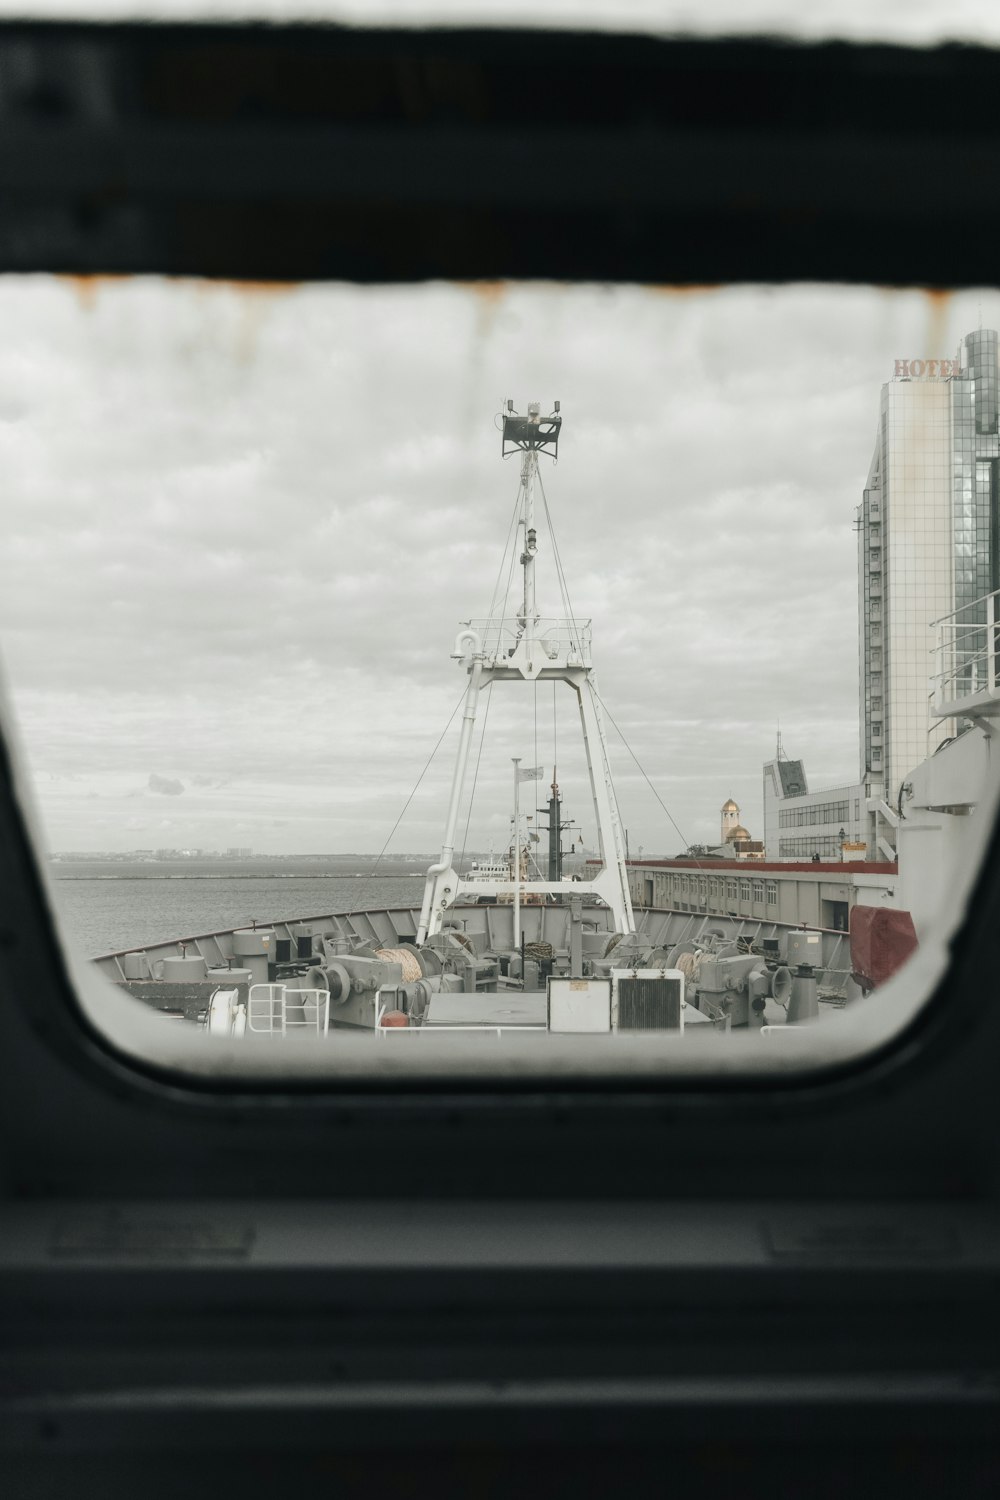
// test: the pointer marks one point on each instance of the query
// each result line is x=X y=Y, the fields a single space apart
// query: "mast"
x=555 y=832
x=528 y=618
x=517 y=853
x=556 y=828
x=524 y=649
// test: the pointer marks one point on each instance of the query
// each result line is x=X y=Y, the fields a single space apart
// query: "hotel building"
x=927 y=545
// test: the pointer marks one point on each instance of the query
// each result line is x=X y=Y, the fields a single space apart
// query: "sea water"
x=103 y=908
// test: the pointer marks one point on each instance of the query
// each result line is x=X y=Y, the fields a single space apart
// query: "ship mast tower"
x=530 y=648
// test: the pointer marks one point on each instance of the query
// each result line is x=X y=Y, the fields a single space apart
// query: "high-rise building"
x=927 y=545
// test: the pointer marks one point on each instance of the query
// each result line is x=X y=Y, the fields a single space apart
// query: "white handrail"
x=273 y=1010
x=558 y=635
x=486 y=1027
x=965 y=656
x=961 y=608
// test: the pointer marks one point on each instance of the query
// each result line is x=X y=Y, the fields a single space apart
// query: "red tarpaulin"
x=881 y=940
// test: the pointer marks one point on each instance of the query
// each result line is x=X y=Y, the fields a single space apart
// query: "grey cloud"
x=252 y=568
x=164 y=786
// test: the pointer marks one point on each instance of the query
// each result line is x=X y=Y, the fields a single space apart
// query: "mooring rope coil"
x=409 y=962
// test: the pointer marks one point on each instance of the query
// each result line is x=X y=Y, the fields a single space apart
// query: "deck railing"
x=486 y=1028
x=270 y=1011
x=964 y=675
x=560 y=639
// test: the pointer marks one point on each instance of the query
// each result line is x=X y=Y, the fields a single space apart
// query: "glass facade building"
x=927 y=544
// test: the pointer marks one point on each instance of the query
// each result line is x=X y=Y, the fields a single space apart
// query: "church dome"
x=730 y=806
x=737 y=835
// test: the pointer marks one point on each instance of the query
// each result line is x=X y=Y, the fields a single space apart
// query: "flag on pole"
x=534 y=773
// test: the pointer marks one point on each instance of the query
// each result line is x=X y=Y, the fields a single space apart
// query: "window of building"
x=876 y=756
x=744 y=890
x=827 y=846
x=758 y=890
x=730 y=890
x=772 y=893
x=815 y=813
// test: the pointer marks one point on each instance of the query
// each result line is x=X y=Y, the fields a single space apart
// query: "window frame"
x=54 y=1026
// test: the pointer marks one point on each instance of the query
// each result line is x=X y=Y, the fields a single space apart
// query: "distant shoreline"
x=259 y=875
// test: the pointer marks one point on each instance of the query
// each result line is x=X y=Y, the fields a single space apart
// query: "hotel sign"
x=915 y=368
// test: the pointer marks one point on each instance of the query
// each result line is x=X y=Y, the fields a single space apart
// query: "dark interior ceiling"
x=290 y=153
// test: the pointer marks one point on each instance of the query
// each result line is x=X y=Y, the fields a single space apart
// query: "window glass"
x=262 y=543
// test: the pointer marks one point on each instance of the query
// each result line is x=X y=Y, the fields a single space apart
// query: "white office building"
x=801 y=825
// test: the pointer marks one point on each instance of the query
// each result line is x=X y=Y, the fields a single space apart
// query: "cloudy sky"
x=915 y=22
x=241 y=526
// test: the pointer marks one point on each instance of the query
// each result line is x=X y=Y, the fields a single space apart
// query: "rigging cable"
x=371 y=874
x=496 y=588
x=564 y=589
x=510 y=575
x=555 y=733
x=475 y=777
x=534 y=710
x=645 y=778
x=560 y=571
x=503 y=557
x=510 y=572
x=577 y=638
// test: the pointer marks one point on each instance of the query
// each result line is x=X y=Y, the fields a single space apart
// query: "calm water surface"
x=102 y=913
